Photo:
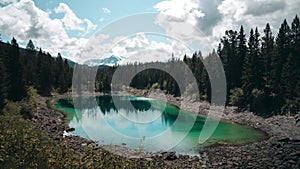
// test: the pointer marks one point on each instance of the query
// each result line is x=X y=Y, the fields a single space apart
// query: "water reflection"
x=107 y=107
x=133 y=118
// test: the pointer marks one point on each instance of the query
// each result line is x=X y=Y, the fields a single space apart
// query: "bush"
x=22 y=145
x=12 y=108
x=29 y=104
x=236 y=97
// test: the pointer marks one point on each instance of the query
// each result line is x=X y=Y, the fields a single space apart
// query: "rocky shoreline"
x=280 y=150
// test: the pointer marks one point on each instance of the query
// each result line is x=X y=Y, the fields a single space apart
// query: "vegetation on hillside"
x=262 y=71
x=23 y=145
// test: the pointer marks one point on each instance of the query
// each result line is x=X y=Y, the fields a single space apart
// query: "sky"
x=137 y=30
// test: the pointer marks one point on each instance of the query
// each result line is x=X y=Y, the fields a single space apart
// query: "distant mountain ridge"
x=109 y=61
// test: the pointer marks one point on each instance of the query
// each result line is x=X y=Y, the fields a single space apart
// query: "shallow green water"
x=151 y=124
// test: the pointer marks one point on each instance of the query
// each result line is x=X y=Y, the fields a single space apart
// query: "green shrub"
x=12 y=108
x=29 y=104
x=236 y=97
x=22 y=145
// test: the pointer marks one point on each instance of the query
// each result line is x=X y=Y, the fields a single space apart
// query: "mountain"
x=110 y=61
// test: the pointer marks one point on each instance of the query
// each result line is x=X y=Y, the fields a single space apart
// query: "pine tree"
x=223 y=51
x=283 y=47
x=45 y=74
x=228 y=56
x=233 y=60
x=59 y=71
x=241 y=54
x=288 y=77
x=16 y=87
x=290 y=71
x=248 y=67
x=29 y=60
x=258 y=62
x=252 y=74
x=268 y=57
x=295 y=38
x=295 y=32
x=14 y=43
x=30 y=45
x=68 y=74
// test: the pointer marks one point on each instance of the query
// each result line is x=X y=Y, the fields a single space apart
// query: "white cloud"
x=184 y=11
x=101 y=19
x=25 y=21
x=106 y=10
x=89 y=25
x=5 y=2
x=70 y=20
x=255 y=13
x=180 y=20
x=138 y=48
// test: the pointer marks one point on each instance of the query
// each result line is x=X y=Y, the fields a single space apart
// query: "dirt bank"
x=280 y=150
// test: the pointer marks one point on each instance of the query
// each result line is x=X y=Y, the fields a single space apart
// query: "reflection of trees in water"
x=106 y=104
x=66 y=103
x=171 y=114
x=130 y=104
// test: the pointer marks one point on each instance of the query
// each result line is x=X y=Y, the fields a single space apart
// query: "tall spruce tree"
x=258 y=62
x=283 y=42
x=228 y=56
x=268 y=57
x=248 y=67
x=290 y=71
x=288 y=77
x=295 y=38
x=59 y=71
x=233 y=60
x=45 y=75
x=30 y=45
x=241 y=54
x=16 y=87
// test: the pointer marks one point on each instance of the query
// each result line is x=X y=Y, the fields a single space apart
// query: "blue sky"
x=69 y=26
x=94 y=9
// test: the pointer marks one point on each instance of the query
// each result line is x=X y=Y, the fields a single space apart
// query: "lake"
x=139 y=122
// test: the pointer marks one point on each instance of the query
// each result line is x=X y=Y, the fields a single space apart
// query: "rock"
x=170 y=156
x=297 y=154
x=70 y=130
x=134 y=158
x=284 y=139
x=148 y=159
x=292 y=162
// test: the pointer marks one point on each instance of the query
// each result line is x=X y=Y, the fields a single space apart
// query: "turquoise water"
x=146 y=123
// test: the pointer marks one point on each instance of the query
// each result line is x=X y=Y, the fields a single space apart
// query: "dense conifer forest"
x=262 y=71
x=22 y=68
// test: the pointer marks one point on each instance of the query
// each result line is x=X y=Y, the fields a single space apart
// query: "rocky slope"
x=281 y=149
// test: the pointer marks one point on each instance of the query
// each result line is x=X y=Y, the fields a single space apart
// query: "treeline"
x=22 y=68
x=262 y=71
x=175 y=77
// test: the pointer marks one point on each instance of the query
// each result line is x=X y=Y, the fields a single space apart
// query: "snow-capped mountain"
x=109 y=61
